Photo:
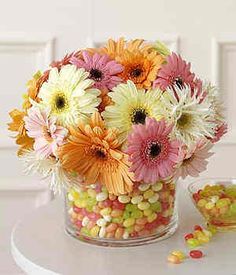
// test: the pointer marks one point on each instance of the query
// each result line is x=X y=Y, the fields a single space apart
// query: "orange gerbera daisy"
x=140 y=61
x=93 y=152
x=18 y=125
x=106 y=100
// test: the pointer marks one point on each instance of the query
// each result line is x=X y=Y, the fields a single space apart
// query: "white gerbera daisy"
x=69 y=95
x=192 y=116
x=131 y=106
x=50 y=169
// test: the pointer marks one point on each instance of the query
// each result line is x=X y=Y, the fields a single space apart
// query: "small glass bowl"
x=215 y=198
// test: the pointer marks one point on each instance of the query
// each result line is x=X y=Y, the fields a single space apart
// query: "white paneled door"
x=32 y=33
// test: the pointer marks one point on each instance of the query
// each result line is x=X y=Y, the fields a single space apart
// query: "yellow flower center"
x=59 y=103
x=184 y=121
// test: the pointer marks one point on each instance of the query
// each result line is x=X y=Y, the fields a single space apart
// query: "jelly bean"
x=110 y=235
x=144 y=186
x=203 y=239
x=152 y=217
x=130 y=207
x=80 y=217
x=118 y=205
x=96 y=209
x=107 y=218
x=74 y=215
x=118 y=220
x=157 y=186
x=129 y=222
x=78 y=224
x=201 y=203
x=126 y=215
x=92 y=193
x=221 y=203
x=107 y=203
x=148 y=194
x=188 y=236
x=137 y=199
x=197 y=227
x=147 y=212
x=209 y=205
x=102 y=232
x=90 y=224
x=101 y=222
x=101 y=196
x=154 y=198
x=179 y=254
x=143 y=205
x=156 y=207
x=116 y=213
x=84 y=212
x=112 y=197
x=141 y=221
x=93 y=216
x=136 y=214
x=124 y=199
x=212 y=229
x=105 y=211
x=111 y=227
x=196 y=254
x=74 y=194
x=125 y=235
x=143 y=232
x=207 y=233
x=130 y=229
x=70 y=197
x=85 y=221
x=197 y=234
x=138 y=227
x=173 y=259
x=193 y=243
x=119 y=233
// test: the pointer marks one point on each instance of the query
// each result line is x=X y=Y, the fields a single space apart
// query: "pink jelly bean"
x=165 y=206
x=118 y=205
x=134 y=234
x=150 y=226
x=98 y=188
x=79 y=224
x=76 y=209
x=93 y=216
x=90 y=225
x=84 y=212
x=107 y=203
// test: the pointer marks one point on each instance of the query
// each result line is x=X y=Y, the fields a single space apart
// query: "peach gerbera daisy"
x=18 y=125
x=93 y=152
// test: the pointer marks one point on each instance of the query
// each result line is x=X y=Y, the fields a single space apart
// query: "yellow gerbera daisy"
x=131 y=106
x=69 y=95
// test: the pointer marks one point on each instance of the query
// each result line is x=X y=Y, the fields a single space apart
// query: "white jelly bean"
x=137 y=199
x=124 y=199
x=70 y=197
x=85 y=221
x=125 y=235
x=107 y=218
x=154 y=198
x=101 y=222
x=101 y=196
x=102 y=232
x=70 y=211
x=144 y=186
x=157 y=186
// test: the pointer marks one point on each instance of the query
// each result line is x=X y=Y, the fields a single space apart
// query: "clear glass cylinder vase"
x=145 y=215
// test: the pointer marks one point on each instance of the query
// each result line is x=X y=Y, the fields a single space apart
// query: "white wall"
x=34 y=32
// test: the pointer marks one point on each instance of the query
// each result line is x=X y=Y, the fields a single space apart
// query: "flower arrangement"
x=125 y=114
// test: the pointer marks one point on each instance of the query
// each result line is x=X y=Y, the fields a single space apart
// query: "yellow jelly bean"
x=203 y=239
x=144 y=186
x=157 y=186
x=209 y=205
x=154 y=198
x=148 y=194
x=119 y=233
x=129 y=222
x=137 y=199
x=147 y=212
x=173 y=259
x=192 y=243
x=124 y=199
x=105 y=211
x=179 y=254
x=92 y=193
x=143 y=205
x=152 y=217
x=201 y=203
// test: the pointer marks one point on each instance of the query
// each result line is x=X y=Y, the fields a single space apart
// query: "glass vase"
x=145 y=215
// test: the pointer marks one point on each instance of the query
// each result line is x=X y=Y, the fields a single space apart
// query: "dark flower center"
x=96 y=74
x=154 y=150
x=100 y=154
x=139 y=116
x=60 y=102
x=184 y=120
x=136 y=72
x=179 y=82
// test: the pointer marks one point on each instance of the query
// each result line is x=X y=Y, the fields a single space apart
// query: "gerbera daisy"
x=193 y=117
x=101 y=69
x=48 y=136
x=66 y=60
x=176 y=72
x=93 y=152
x=50 y=169
x=18 y=125
x=69 y=96
x=153 y=155
x=220 y=131
x=194 y=159
x=130 y=106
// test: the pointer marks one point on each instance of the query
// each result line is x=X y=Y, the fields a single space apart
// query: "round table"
x=40 y=245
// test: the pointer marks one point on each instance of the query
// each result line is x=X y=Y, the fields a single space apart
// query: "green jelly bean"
x=156 y=207
x=137 y=214
x=126 y=215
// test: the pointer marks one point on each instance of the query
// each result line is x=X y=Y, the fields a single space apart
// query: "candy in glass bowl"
x=216 y=201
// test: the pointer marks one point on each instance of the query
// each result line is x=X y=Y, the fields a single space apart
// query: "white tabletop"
x=41 y=246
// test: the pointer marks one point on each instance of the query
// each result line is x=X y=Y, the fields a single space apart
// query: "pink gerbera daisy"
x=194 y=159
x=102 y=69
x=153 y=155
x=219 y=132
x=176 y=72
x=48 y=136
